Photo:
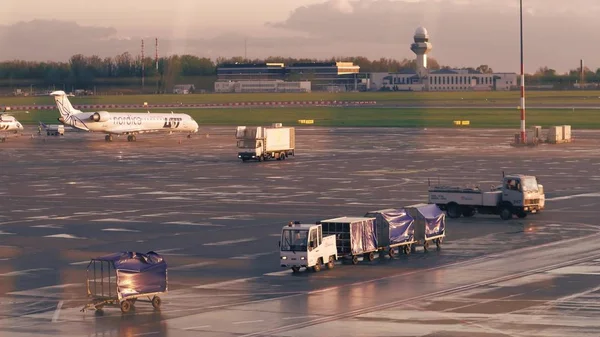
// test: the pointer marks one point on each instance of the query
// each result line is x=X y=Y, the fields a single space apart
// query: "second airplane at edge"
x=121 y=123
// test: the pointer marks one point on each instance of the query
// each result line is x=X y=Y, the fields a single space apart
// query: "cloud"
x=463 y=33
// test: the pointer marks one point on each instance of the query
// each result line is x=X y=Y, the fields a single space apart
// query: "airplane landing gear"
x=131 y=138
x=108 y=138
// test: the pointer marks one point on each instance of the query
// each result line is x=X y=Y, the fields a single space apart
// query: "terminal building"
x=328 y=76
x=424 y=79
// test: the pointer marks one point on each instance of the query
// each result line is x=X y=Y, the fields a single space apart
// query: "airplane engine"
x=100 y=116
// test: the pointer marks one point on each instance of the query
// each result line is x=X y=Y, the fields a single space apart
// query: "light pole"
x=522 y=80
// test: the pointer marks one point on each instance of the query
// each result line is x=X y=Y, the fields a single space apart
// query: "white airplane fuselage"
x=10 y=124
x=121 y=123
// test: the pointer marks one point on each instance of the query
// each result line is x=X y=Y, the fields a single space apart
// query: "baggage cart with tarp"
x=355 y=236
x=395 y=229
x=430 y=224
x=120 y=279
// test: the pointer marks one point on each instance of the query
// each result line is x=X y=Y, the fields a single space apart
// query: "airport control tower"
x=421 y=47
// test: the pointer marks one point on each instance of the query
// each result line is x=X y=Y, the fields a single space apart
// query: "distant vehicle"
x=303 y=245
x=53 y=129
x=262 y=143
x=122 y=123
x=519 y=194
x=8 y=124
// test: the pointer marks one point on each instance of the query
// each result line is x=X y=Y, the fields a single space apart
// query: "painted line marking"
x=197 y=327
x=114 y=220
x=300 y=317
x=187 y=223
x=279 y=273
x=120 y=230
x=574 y=196
x=57 y=312
x=147 y=333
x=63 y=236
x=229 y=242
x=79 y=263
x=23 y=272
x=191 y=266
x=225 y=283
x=252 y=256
x=248 y=322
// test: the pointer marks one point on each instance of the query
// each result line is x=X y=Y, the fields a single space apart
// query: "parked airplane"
x=9 y=123
x=121 y=123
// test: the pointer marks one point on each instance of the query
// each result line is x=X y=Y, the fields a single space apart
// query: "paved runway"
x=217 y=221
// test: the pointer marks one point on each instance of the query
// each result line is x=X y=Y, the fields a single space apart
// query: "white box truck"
x=303 y=245
x=518 y=194
x=262 y=143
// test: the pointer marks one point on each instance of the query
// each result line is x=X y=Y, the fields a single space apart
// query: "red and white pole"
x=523 y=140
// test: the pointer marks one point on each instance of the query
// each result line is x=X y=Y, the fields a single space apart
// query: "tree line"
x=86 y=71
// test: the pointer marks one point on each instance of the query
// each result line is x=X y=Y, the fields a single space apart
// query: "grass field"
x=379 y=117
x=418 y=98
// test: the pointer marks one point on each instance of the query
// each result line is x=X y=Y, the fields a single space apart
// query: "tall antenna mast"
x=156 y=56
x=522 y=80
x=245 y=49
x=142 y=64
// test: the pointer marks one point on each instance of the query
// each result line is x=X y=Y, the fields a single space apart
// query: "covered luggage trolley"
x=430 y=224
x=120 y=279
x=395 y=229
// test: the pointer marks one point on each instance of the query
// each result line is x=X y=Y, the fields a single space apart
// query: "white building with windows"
x=262 y=86
x=423 y=79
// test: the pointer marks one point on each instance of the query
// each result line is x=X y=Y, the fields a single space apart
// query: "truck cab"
x=303 y=245
x=250 y=149
x=523 y=193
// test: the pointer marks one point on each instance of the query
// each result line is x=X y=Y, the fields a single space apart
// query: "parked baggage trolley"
x=395 y=229
x=121 y=279
x=430 y=225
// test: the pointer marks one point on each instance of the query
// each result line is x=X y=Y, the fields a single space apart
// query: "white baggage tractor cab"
x=303 y=245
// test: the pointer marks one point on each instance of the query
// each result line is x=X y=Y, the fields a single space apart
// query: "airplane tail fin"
x=63 y=104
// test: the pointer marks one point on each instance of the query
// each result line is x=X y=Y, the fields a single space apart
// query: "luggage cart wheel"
x=391 y=252
x=156 y=301
x=354 y=259
x=125 y=306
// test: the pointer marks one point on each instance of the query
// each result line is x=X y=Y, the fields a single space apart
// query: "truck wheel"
x=331 y=263
x=468 y=212
x=453 y=210
x=354 y=259
x=521 y=214
x=295 y=269
x=505 y=213
x=317 y=266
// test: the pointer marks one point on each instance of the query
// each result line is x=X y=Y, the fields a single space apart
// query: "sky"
x=463 y=33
